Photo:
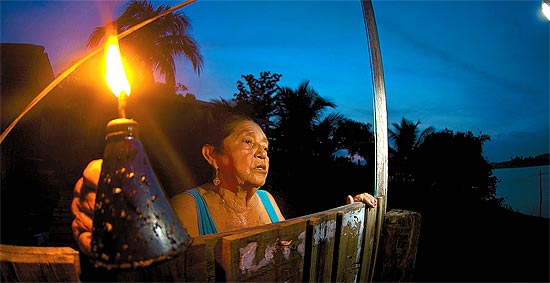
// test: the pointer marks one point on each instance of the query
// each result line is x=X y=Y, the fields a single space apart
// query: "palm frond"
x=158 y=44
x=96 y=37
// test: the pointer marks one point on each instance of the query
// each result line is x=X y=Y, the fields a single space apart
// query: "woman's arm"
x=186 y=210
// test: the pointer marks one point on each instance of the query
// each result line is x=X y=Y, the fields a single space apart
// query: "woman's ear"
x=208 y=154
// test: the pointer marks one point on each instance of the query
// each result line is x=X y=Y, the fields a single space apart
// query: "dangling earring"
x=217 y=180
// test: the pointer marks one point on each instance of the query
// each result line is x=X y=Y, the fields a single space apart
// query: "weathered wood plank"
x=320 y=238
x=39 y=264
x=399 y=245
x=272 y=253
x=213 y=244
x=195 y=261
x=349 y=236
x=204 y=263
x=370 y=243
x=211 y=266
x=170 y=270
x=380 y=214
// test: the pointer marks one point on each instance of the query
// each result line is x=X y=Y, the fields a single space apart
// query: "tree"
x=298 y=166
x=453 y=167
x=325 y=145
x=407 y=138
x=154 y=47
x=356 y=138
x=299 y=112
x=256 y=96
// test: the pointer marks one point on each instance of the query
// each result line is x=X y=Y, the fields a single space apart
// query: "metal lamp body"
x=134 y=224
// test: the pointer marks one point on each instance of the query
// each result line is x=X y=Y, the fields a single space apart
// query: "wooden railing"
x=333 y=245
x=39 y=264
x=336 y=245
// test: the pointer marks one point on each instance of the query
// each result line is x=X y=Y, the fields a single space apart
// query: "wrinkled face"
x=244 y=161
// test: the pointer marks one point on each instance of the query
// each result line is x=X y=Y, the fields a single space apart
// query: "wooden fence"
x=327 y=246
x=337 y=245
x=39 y=264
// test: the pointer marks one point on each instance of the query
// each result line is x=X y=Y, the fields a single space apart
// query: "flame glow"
x=114 y=71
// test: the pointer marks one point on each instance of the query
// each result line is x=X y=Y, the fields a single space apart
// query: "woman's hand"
x=364 y=198
x=83 y=204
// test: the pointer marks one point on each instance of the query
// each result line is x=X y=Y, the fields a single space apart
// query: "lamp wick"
x=122 y=98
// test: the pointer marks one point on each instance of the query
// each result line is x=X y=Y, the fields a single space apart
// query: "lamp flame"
x=114 y=71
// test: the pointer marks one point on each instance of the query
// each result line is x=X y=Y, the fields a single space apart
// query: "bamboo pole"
x=380 y=113
x=380 y=126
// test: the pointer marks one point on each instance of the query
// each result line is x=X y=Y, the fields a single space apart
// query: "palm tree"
x=304 y=105
x=155 y=46
x=299 y=146
x=407 y=138
x=299 y=112
x=326 y=144
x=357 y=138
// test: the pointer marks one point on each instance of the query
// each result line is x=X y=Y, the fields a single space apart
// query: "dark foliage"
x=466 y=234
x=256 y=97
x=447 y=166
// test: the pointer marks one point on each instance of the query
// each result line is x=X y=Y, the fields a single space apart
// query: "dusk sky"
x=480 y=66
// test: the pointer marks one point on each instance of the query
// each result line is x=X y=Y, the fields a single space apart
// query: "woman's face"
x=244 y=161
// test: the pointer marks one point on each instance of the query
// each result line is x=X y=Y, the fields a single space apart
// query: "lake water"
x=520 y=188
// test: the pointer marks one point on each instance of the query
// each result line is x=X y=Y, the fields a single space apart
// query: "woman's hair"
x=219 y=126
x=224 y=124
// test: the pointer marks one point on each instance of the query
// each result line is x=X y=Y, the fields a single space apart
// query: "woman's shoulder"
x=184 y=196
x=261 y=193
x=190 y=194
x=184 y=206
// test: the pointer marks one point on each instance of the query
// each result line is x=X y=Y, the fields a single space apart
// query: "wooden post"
x=399 y=246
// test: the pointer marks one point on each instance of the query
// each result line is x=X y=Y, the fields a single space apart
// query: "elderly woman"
x=238 y=155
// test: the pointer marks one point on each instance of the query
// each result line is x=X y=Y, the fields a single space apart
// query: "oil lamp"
x=134 y=224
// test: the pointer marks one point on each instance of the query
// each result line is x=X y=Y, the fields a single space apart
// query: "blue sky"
x=480 y=66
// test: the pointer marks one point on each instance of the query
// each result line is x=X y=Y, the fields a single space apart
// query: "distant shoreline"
x=518 y=162
x=516 y=166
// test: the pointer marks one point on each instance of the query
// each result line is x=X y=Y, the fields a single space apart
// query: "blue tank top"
x=205 y=221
